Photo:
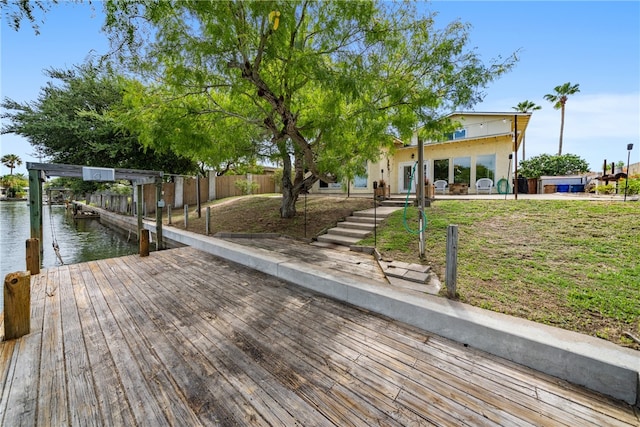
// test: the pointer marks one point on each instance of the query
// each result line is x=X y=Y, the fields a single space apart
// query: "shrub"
x=552 y=165
x=247 y=187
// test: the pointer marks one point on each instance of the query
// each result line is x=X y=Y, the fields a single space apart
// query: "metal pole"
x=421 y=195
x=375 y=220
x=626 y=186
x=515 y=163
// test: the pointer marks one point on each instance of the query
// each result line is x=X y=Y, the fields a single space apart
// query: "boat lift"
x=38 y=172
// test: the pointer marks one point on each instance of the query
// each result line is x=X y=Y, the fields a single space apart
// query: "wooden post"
x=452 y=260
x=139 y=209
x=169 y=213
x=186 y=216
x=208 y=220
x=33 y=256
x=35 y=205
x=144 y=243
x=159 y=204
x=17 y=299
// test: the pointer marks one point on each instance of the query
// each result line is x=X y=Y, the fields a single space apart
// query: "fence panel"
x=266 y=184
x=226 y=186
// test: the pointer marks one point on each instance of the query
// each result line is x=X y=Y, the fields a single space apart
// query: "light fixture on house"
x=413 y=156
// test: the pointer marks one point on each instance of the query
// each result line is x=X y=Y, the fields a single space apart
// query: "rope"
x=54 y=239
x=406 y=204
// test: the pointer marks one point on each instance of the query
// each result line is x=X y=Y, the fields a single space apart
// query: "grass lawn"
x=571 y=264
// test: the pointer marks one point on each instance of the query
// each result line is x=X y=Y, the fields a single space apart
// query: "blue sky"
x=593 y=44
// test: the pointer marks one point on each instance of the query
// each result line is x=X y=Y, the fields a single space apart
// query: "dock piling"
x=33 y=256
x=144 y=242
x=17 y=308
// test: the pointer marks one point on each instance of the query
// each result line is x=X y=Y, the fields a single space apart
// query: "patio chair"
x=441 y=186
x=484 y=184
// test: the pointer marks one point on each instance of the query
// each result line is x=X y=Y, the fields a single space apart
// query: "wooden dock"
x=184 y=338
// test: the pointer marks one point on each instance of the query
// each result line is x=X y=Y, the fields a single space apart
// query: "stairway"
x=359 y=225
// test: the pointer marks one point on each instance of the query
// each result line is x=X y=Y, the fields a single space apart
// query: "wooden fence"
x=224 y=186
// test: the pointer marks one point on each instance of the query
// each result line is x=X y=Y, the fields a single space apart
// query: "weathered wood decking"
x=184 y=338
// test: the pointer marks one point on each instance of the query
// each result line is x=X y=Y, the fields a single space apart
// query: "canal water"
x=78 y=240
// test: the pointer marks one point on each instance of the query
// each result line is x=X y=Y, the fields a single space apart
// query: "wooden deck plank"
x=113 y=405
x=290 y=357
x=194 y=375
x=226 y=355
x=154 y=372
x=364 y=349
x=515 y=404
x=52 y=393
x=182 y=337
x=129 y=371
x=83 y=401
x=108 y=390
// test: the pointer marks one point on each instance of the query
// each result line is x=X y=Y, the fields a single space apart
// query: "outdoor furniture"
x=441 y=186
x=484 y=184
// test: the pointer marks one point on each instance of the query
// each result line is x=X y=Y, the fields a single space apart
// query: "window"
x=459 y=134
x=441 y=169
x=462 y=170
x=486 y=167
x=360 y=182
x=330 y=185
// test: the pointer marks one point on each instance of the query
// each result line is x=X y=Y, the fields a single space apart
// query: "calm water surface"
x=79 y=240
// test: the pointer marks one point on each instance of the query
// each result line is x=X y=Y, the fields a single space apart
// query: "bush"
x=552 y=165
x=247 y=187
x=634 y=186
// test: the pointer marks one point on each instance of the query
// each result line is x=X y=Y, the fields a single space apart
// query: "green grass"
x=572 y=264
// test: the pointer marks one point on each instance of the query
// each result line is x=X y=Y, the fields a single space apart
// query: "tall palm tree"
x=559 y=99
x=11 y=161
x=526 y=107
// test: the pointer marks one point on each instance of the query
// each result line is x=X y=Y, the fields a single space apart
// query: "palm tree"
x=559 y=99
x=526 y=107
x=11 y=161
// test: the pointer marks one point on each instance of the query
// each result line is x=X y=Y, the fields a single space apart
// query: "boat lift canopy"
x=38 y=172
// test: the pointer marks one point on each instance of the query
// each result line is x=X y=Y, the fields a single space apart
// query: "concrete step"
x=349 y=232
x=397 y=203
x=365 y=219
x=337 y=239
x=369 y=226
x=380 y=212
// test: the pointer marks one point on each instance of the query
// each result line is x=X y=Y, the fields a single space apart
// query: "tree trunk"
x=561 y=130
x=289 y=198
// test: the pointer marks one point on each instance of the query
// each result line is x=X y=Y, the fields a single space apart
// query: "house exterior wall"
x=479 y=134
x=500 y=146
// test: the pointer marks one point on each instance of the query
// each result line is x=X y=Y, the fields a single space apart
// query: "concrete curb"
x=580 y=359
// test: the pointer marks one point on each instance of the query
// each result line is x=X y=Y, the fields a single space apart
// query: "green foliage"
x=633 y=187
x=15 y=185
x=69 y=124
x=552 y=165
x=11 y=161
x=326 y=90
x=246 y=186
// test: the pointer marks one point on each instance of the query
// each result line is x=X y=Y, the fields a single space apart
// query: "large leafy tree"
x=559 y=100
x=67 y=124
x=11 y=161
x=526 y=107
x=550 y=165
x=321 y=85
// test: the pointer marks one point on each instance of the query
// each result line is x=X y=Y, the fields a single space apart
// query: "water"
x=79 y=240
